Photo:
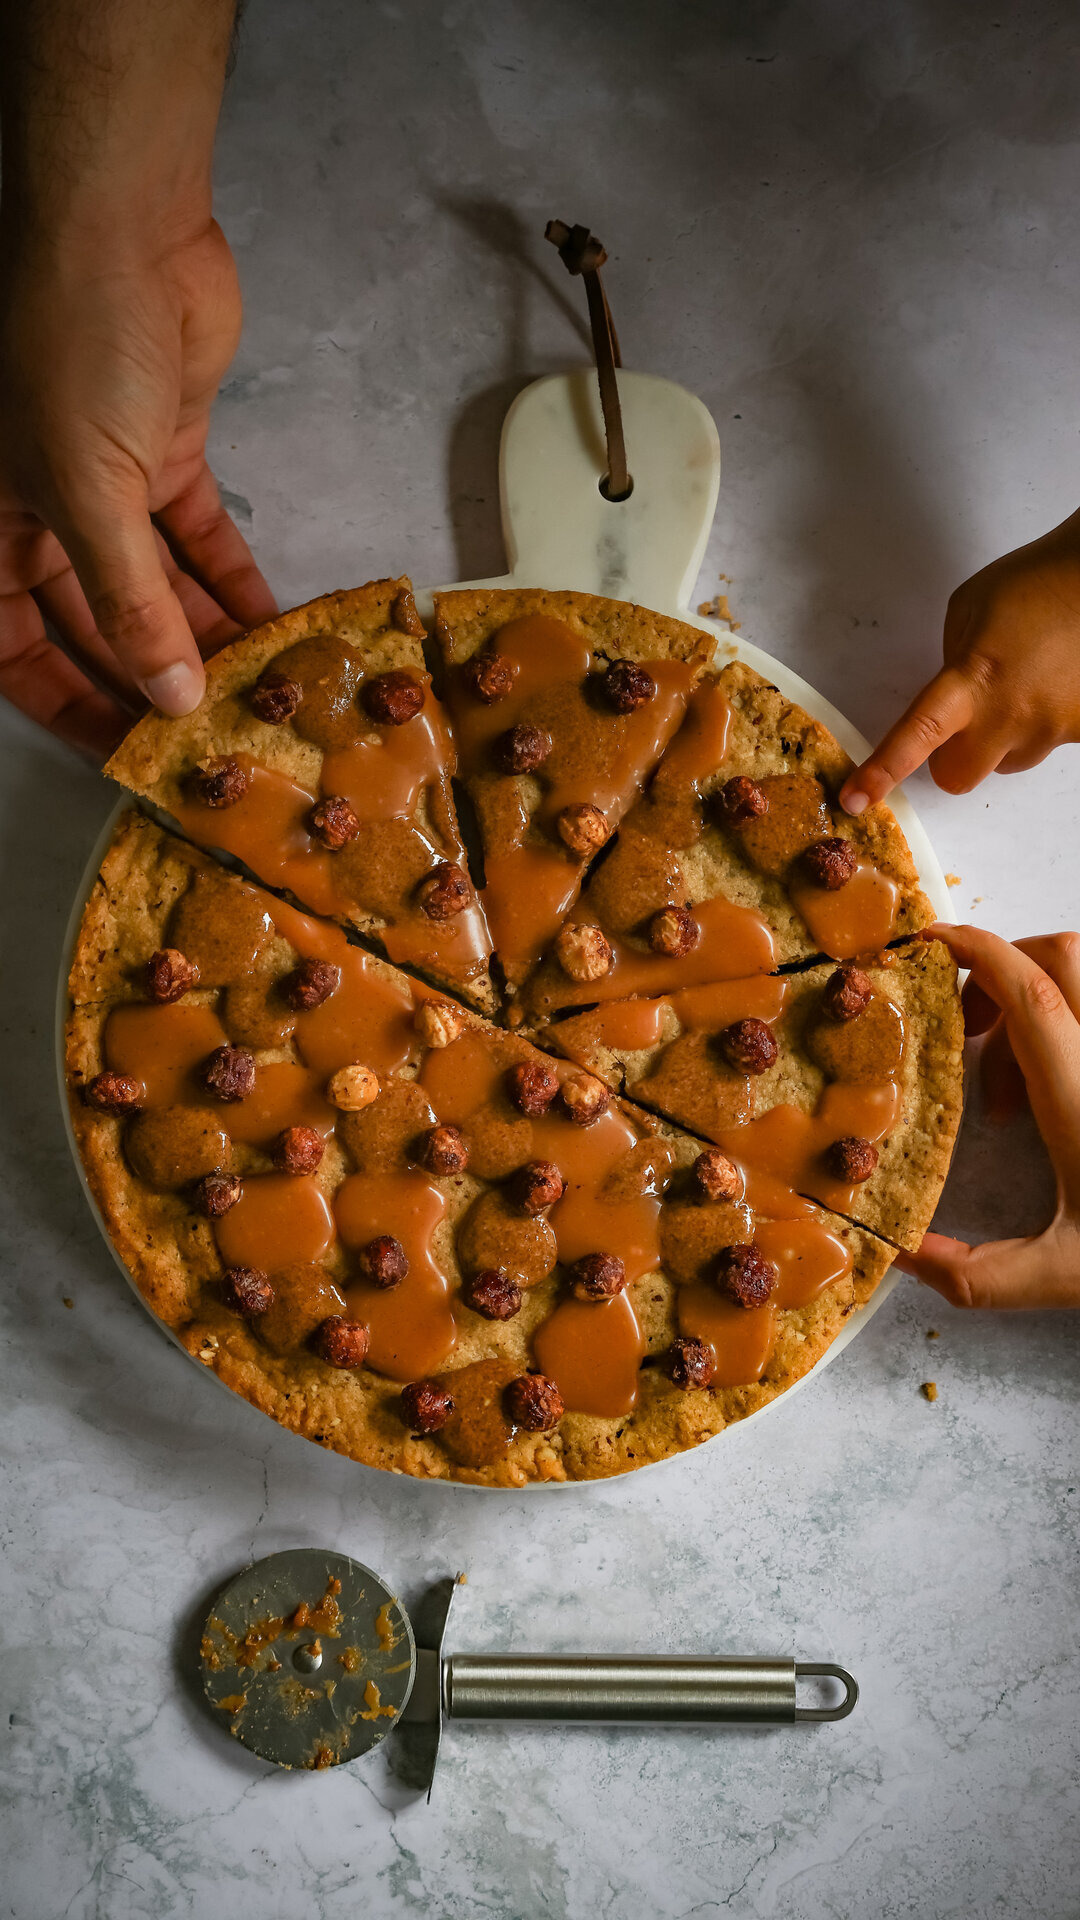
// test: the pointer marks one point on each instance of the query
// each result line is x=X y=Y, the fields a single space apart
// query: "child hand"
x=1026 y=998
x=1009 y=692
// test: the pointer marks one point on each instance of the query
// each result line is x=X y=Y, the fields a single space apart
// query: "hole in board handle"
x=615 y=499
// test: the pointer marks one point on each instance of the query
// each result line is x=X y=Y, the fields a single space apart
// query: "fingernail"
x=855 y=802
x=175 y=690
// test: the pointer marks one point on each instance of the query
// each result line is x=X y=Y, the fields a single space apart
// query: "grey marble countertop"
x=855 y=235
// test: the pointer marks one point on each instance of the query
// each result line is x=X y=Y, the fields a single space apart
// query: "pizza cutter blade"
x=309 y=1660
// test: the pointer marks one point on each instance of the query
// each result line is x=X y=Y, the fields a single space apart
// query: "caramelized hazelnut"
x=748 y=1046
x=847 y=993
x=523 y=749
x=246 y=1290
x=340 y=1342
x=491 y=677
x=691 y=1363
x=384 y=1261
x=426 y=1405
x=274 y=698
x=716 y=1176
x=583 y=953
x=439 y=1022
x=298 y=1150
x=169 y=974
x=333 y=823
x=216 y=1193
x=583 y=829
x=445 y=1150
x=392 y=698
x=353 y=1088
x=445 y=892
x=674 y=931
x=852 y=1159
x=628 y=686
x=741 y=800
x=532 y=1087
x=492 y=1294
x=533 y=1402
x=585 y=1098
x=229 y=1073
x=830 y=863
x=115 y=1093
x=598 y=1276
x=538 y=1184
x=746 y=1275
x=220 y=782
x=403 y=614
x=309 y=984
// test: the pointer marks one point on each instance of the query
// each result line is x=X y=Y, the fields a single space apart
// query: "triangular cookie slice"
x=736 y=860
x=321 y=759
x=842 y=1083
x=562 y=704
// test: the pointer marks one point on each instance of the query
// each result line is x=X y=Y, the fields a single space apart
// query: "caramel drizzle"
x=784 y=1149
x=411 y=1325
x=280 y=1220
x=808 y=1258
x=733 y=942
x=531 y=878
x=593 y=1350
x=858 y=918
x=383 y=773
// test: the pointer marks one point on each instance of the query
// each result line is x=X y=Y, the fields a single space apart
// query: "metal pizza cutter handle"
x=314 y=1661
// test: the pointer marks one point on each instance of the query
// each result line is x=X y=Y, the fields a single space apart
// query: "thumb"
x=107 y=534
x=1013 y=1274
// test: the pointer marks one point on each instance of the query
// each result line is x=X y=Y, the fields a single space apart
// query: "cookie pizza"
x=420 y=1185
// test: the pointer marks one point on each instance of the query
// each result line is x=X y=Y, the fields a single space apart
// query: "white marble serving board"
x=560 y=531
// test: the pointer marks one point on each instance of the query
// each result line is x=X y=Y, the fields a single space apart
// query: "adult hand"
x=119 y=312
x=1026 y=1000
x=1009 y=692
x=108 y=369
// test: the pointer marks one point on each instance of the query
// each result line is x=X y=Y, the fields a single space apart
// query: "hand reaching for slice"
x=1026 y=999
x=107 y=374
x=1009 y=692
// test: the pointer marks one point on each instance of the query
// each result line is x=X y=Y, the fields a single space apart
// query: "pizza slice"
x=843 y=1083
x=321 y=759
x=562 y=704
x=736 y=860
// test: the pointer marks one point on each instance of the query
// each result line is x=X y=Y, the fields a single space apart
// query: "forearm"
x=108 y=110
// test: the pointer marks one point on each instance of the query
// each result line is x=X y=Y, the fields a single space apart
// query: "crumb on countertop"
x=953 y=880
x=932 y=1333
x=67 y=1302
x=929 y=1390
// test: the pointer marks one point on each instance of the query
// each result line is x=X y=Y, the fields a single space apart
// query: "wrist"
x=108 y=121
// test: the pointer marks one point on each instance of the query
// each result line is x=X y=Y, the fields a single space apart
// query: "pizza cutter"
x=309 y=1660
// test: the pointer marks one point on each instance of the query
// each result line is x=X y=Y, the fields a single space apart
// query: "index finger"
x=940 y=710
x=214 y=552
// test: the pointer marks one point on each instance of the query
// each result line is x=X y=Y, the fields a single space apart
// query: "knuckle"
x=1043 y=997
x=1066 y=946
x=984 y=673
x=925 y=728
x=122 y=620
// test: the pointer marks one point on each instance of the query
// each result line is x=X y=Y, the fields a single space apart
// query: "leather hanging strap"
x=581 y=253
